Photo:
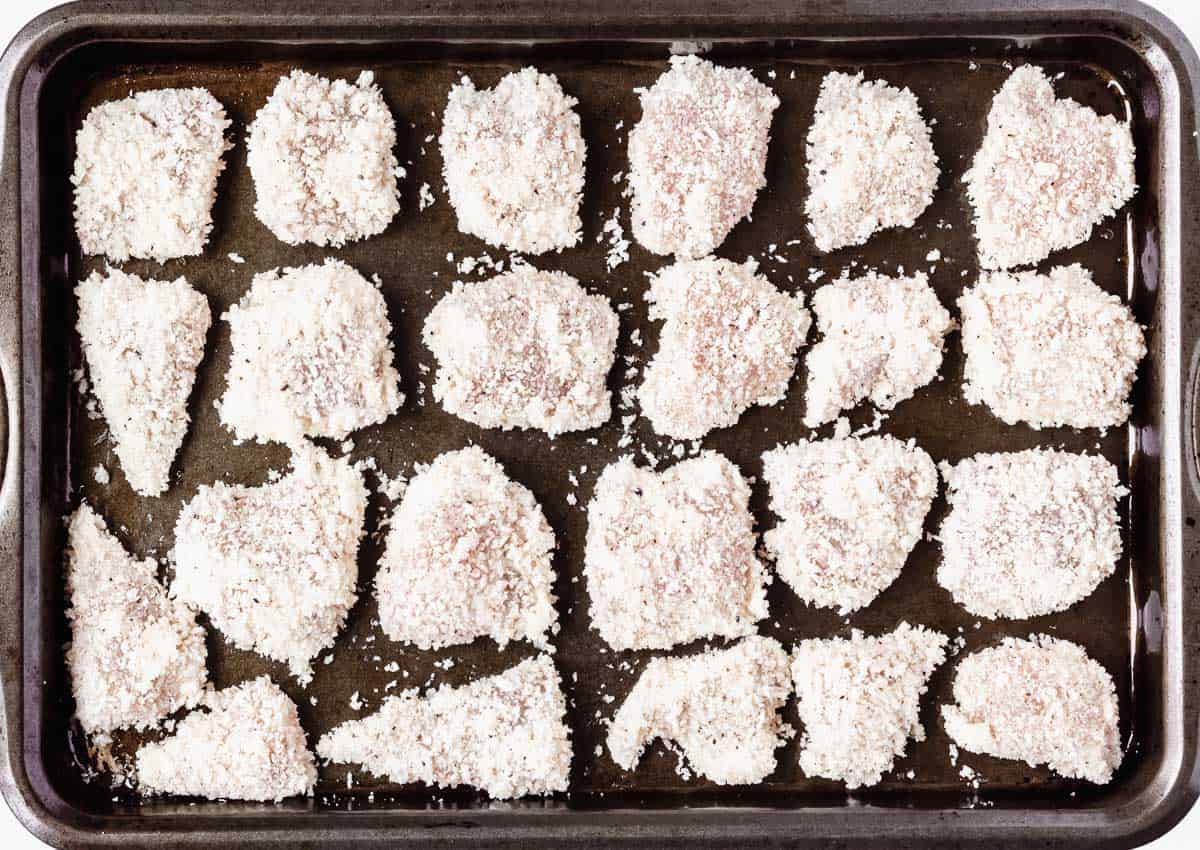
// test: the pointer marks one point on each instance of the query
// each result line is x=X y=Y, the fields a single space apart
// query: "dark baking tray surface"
x=1131 y=624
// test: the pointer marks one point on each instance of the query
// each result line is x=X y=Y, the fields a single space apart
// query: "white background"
x=1186 y=13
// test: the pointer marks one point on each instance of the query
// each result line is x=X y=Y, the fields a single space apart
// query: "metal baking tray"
x=1141 y=624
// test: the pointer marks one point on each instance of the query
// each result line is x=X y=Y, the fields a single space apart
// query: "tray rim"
x=36 y=49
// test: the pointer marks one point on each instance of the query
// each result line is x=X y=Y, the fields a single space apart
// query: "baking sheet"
x=411 y=260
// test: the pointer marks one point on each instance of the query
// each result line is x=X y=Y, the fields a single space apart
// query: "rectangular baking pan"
x=1142 y=623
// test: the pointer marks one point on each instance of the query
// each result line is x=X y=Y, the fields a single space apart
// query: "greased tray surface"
x=954 y=82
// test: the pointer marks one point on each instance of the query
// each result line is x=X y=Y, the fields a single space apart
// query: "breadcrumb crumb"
x=721 y=708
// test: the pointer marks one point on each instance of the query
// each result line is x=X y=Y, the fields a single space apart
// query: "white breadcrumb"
x=1029 y=533
x=721 y=708
x=504 y=734
x=859 y=700
x=275 y=566
x=871 y=163
x=135 y=655
x=248 y=745
x=143 y=340
x=670 y=555
x=526 y=349
x=513 y=160
x=698 y=156
x=1049 y=349
x=146 y=171
x=1047 y=172
x=320 y=153
x=850 y=512
x=729 y=342
x=882 y=340
x=468 y=555
x=311 y=356
x=1043 y=701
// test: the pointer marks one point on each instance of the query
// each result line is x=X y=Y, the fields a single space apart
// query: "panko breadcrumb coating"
x=275 y=566
x=670 y=555
x=1043 y=701
x=143 y=340
x=320 y=153
x=1029 y=533
x=312 y=356
x=882 y=340
x=135 y=655
x=526 y=349
x=248 y=745
x=850 y=512
x=871 y=163
x=720 y=708
x=513 y=160
x=859 y=700
x=468 y=555
x=698 y=156
x=146 y=171
x=1049 y=349
x=1048 y=171
x=729 y=342
x=504 y=734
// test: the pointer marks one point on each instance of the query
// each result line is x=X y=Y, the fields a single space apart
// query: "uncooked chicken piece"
x=729 y=342
x=503 y=734
x=670 y=555
x=468 y=555
x=882 y=340
x=143 y=340
x=320 y=153
x=859 y=700
x=248 y=745
x=275 y=566
x=1043 y=701
x=719 y=708
x=1049 y=170
x=526 y=349
x=698 y=156
x=135 y=655
x=1049 y=349
x=312 y=356
x=850 y=512
x=1029 y=533
x=513 y=159
x=146 y=171
x=871 y=163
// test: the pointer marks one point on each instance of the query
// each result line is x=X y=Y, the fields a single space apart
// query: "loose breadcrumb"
x=721 y=708
x=146 y=171
x=851 y=510
x=135 y=655
x=503 y=734
x=143 y=340
x=513 y=160
x=882 y=340
x=1043 y=701
x=1047 y=172
x=1029 y=533
x=871 y=163
x=311 y=356
x=320 y=153
x=859 y=700
x=248 y=746
x=526 y=349
x=729 y=342
x=275 y=566
x=698 y=156
x=670 y=556
x=468 y=554
x=1049 y=349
